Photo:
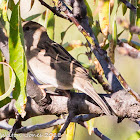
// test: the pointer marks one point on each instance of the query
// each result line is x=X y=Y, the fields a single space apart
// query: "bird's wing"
x=60 y=55
x=63 y=54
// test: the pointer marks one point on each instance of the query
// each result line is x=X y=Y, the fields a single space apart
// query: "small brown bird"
x=51 y=64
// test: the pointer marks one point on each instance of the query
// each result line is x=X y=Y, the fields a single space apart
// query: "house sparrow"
x=51 y=64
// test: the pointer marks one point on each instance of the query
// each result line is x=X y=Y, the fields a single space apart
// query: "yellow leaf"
x=55 y=2
x=54 y=132
x=32 y=3
x=90 y=124
x=3 y=6
x=74 y=44
x=104 y=16
x=70 y=131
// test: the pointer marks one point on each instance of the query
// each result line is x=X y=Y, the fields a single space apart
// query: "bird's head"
x=34 y=33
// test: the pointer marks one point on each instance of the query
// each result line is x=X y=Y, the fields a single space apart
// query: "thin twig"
x=81 y=118
x=99 y=77
x=129 y=5
x=99 y=134
x=53 y=9
x=95 y=131
x=127 y=26
x=126 y=49
x=4 y=125
x=52 y=123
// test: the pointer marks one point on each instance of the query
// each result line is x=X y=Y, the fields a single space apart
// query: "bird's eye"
x=27 y=28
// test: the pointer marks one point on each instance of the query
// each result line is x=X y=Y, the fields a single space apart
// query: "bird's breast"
x=42 y=71
x=41 y=67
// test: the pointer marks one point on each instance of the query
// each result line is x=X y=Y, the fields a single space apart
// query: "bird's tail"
x=89 y=90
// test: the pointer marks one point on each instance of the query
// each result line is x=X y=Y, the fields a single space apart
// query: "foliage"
x=106 y=26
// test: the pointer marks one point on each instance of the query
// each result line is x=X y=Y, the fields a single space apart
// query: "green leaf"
x=90 y=124
x=3 y=16
x=79 y=54
x=124 y=8
x=138 y=17
x=89 y=13
x=32 y=17
x=134 y=43
x=11 y=4
x=135 y=136
x=111 y=51
x=3 y=6
x=106 y=46
x=12 y=84
x=132 y=14
x=4 y=99
x=64 y=33
x=132 y=18
x=47 y=19
x=50 y=24
x=42 y=18
x=86 y=65
x=17 y=59
x=114 y=34
x=2 y=86
x=96 y=29
x=70 y=131
x=120 y=33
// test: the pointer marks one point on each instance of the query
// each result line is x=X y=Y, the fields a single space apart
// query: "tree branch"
x=122 y=103
x=53 y=9
x=4 y=125
x=52 y=123
x=126 y=49
x=111 y=73
x=95 y=131
x=77 y=119
x=129 y=5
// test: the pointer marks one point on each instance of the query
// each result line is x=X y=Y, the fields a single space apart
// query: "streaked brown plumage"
x=51 y=64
